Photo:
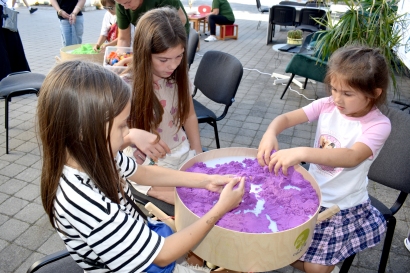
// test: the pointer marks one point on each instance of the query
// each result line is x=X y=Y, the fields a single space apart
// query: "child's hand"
x=218 y=182
x=124 y=62
x=284 y=159
x=231 y=196
x=96 y=48
x=268 y=143
x=147 y=143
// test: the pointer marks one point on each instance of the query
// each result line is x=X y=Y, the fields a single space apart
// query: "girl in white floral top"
x=162 y=104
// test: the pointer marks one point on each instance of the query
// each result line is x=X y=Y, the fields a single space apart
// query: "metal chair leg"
x=216 y=135
x=391 y=225
x=347 y=263
x=306 y=81
x=287 y=85
x=6 y=123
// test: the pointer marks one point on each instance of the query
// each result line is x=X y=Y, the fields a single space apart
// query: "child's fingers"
x=164 y=146
x=241 y=186
x=232 y=182
x=260 y=156
x=284 y=169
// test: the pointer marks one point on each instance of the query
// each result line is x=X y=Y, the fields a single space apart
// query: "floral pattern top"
x=166 y=92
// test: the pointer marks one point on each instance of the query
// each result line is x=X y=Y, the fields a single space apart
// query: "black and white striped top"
x=98 y=232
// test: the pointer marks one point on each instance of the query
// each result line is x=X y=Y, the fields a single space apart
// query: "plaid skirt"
x=345 y=233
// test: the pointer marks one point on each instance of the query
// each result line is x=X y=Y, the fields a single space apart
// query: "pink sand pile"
x=288 y=200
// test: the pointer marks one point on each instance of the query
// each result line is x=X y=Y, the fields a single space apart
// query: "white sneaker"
x=211 y=39
x=407 y=243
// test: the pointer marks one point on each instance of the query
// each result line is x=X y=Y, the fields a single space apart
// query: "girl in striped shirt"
x=82 y=116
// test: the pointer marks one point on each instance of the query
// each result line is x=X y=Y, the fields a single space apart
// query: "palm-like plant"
x=369 y=22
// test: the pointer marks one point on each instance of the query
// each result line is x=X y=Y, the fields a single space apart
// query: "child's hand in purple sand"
x=231 y=196
x=218 y=182
x=284 y=159
x=268 y=144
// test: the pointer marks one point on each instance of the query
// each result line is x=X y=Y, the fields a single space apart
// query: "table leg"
x=269 y=33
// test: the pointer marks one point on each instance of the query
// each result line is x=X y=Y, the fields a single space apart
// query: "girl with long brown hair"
x=162 y=100
x=82 y=115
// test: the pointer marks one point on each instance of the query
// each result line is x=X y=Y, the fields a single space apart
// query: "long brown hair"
x=77 y=101
x=362 y=68
x=157 y=31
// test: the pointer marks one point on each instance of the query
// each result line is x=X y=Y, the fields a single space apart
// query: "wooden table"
x=197 y=19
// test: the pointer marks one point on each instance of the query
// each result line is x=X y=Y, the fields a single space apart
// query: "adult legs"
x=72 y=34
x=13 y=2
x=79 y=30
x=217 y=19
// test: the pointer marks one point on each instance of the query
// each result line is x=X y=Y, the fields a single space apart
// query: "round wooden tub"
x=247 y=252
x=66 y=55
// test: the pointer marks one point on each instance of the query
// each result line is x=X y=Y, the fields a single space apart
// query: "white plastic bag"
x=9 y=19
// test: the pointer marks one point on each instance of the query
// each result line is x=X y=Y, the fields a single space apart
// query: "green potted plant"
x=295 y=37
x=368 y=22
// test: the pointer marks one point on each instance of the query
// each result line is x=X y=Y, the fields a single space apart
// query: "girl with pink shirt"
x=350 y=134
x=162 y=105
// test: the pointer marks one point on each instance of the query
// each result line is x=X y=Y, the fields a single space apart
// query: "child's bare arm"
x=182 y=241
x=280 y=123
x=192 y=130
x=337 y=157
x=100 y=41
x=112 y=43
x=147 y=143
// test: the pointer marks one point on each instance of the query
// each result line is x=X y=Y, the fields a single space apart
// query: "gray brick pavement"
x=25 y=233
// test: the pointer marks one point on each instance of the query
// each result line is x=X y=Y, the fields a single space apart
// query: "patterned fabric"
x=100 y=235
x=348 y=231
x=167 y=94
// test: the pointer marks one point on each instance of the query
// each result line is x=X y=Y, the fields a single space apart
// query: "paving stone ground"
x=25 y=233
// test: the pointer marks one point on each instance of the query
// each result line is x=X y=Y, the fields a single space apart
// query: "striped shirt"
x=98 y=232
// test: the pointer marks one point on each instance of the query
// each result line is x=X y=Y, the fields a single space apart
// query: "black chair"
x=218 y=77
x=307 y=18
x=193 y=41
x=280 y=15
x=18 y=84
x=316 y=4
x=306 y=66
x=391 y=169
x=60 y=262
x=261 y=10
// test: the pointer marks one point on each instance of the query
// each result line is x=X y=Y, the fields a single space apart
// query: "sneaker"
x=211 y=39
x=32 y=10
x=407 y=243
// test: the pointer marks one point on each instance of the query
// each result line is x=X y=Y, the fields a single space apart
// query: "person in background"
x=129 y=11
x=109 y=28
x=222 y=15
x=30 y=9
x=71 y=20
x=162 y=99
x=350 y=133
x=12 y=56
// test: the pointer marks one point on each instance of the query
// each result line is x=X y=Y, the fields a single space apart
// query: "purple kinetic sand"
x=271 y=203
